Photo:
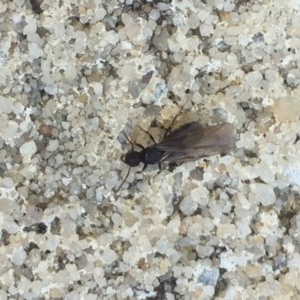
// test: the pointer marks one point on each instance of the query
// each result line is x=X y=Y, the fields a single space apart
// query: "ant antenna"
x=123 y=180
x=131 y=143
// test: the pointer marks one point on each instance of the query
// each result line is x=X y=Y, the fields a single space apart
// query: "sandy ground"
x=75 y=76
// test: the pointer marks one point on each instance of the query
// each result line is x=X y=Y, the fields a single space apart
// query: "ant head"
x=131 y=158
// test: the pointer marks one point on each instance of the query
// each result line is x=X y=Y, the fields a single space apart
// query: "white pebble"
x=264 y=193
x=111 y=37
x=53 y=242
x=53 y=145
x=188 y=205
x=3 y=8
x=243 y=228
x=28 y=149
x=100 y=13
x=226 y=230
x=30 y=28
x=80 y=44
x=99 y=194
x=253 y=80
x=19 y=256
x=292 y=172
x=80 y=159
x=34 y=212
x=264 y=171
x=163 y=246
x=66 y=180
x=98 y=88
x=10 y=226
x=6 y=105
x=109 y=256
x=59 y=30
x=201 y=61
x=209 y=277
x=206 y=29
x=8 y=182
x=98 y=274
x=200 y=195
x=111 y=180
x=9 y=130
x=35 y=51
x=230 y=261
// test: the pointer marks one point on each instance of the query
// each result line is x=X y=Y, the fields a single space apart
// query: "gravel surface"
x=75 y=76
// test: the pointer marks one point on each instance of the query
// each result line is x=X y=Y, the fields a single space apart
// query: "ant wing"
x=192 y=141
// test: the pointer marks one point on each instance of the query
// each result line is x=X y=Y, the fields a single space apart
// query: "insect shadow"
x=189 y=142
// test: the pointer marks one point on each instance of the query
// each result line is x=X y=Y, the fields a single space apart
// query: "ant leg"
x=159 y=171
x=151 y=136
x=174 y=119
x=144 y=167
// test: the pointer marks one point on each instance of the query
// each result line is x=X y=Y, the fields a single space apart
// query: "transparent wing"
x=192 y=141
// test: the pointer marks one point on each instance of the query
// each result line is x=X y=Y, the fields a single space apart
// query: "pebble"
x=28 y=149
x=73 y=79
